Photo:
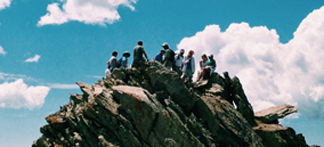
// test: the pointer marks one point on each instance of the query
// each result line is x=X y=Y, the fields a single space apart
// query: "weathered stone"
x=118 y=74
x=228 y=127
x=137 y=107
x=164 y=80
x=279 y=136
x=155 y=108
x=274 y=113
x=56 y=122
x=240 y=99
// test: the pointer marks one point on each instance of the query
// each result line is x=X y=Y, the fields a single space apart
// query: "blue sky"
x=274 y=47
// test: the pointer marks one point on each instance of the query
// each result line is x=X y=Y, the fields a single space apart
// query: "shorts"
x=188 y=73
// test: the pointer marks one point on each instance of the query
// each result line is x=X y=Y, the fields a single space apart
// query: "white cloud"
x=64 y=86
x=4 y=4
x=98 y=12
x=19 y=95
x=2 y=51
x=5 y=77
x=272 y=73
x=33 y=59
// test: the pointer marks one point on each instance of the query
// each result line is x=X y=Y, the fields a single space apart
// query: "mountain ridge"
x=152 y=106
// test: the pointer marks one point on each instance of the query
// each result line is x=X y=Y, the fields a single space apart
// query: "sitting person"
x=159 y=57
x=202 y=63
x=209 y=69
x=112 y=61
x=124 y=59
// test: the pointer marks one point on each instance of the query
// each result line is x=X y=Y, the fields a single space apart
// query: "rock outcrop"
x=152 y=107
x=274 y=134
x=271 y=115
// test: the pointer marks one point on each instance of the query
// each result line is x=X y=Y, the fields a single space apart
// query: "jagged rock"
x=240 y=99
x=163 y=80
x=228 y=127
x=272 y=114
x=278 y=136
x=151 y=106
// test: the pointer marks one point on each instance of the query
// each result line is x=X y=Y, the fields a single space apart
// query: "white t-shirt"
x=178 y=62
x=111 y=62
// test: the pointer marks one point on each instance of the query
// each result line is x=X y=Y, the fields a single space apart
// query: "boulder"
x=272 y=114
x=278 y=136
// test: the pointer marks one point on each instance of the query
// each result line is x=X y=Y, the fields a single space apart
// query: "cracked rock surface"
x=152 y=107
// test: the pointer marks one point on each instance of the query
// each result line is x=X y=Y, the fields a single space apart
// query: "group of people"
x=183 y=65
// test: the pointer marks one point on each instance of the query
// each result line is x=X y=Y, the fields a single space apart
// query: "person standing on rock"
x=178 y=62
x=138 y=54
x=168 y=59
x=188 y=67
x=159 y=57
x=112 y=61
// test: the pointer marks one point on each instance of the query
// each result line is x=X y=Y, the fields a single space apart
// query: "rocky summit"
x=152 y=107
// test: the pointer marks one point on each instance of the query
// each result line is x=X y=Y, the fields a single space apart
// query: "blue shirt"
x=158 y=58
x=188 y=66
x=123 y=62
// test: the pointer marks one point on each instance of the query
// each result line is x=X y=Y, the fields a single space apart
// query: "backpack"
x=172 y=60
x=118 y=62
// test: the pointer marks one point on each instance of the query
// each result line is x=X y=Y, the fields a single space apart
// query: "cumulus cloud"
x=2 y=52
x=4 y=4
x=272 y=73
x=33 y=59
x=98 y=12
x=17 y=94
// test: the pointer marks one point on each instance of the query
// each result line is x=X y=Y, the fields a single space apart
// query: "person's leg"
x=201 y=75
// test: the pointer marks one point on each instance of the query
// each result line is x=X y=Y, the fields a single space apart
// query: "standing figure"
x=178 y=61
x=188 y=67
x=138 y=54
x=112 y=62
x=168 y=58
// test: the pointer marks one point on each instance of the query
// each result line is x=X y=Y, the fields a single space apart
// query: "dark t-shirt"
x=138 y=53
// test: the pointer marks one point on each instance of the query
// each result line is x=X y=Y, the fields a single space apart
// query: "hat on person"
x=182 y=51
x=211 y=55
x=165 y=45
x=126 y=54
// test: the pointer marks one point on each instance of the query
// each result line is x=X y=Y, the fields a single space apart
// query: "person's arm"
x=108 y=64
x=166 y=62
x=146 y=56
x=125 y=63
x=200 y=63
